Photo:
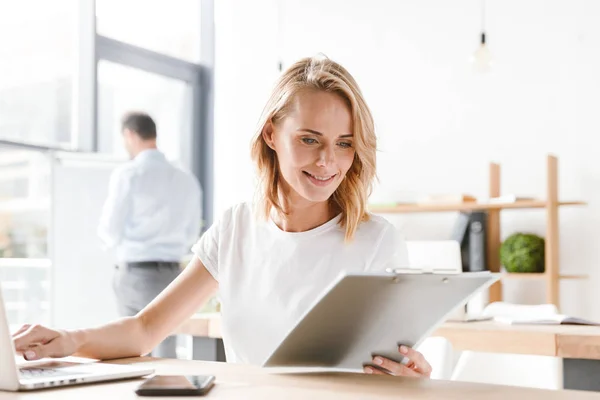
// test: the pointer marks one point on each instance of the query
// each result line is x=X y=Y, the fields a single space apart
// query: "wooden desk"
x=566 y=341
x=250 y=382
x=579 y=346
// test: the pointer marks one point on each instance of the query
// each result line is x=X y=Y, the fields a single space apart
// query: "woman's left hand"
x=417 y=366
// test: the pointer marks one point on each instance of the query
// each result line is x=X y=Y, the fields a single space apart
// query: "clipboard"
x=362 y=315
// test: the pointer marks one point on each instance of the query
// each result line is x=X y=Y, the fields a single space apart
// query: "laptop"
x=37 y=375
x=366 y=314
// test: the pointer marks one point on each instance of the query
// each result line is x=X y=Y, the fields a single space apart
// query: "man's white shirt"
x=153 y=210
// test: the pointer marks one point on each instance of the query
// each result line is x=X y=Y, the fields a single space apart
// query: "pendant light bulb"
x=482 y=58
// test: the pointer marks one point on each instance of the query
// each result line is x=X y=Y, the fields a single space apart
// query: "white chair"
x=511 y=369
x=434 y=255
x=540 y=372
x=439 y=256
x=439 y=353
x=443 y=256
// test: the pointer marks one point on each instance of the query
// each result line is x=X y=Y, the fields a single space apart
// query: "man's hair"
x=140 y=123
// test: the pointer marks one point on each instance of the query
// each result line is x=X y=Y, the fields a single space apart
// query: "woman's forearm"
x=125 y=337
x=137 y=336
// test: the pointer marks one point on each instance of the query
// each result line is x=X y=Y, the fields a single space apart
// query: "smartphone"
x=176 y=385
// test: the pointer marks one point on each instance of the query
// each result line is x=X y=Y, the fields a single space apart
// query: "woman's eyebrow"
x=319 y=133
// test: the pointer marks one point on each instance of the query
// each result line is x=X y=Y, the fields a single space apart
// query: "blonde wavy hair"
x=323 y=74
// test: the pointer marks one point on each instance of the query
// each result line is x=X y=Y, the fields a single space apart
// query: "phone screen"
x=176 y=384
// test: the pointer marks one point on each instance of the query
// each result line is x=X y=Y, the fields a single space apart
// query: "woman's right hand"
x=35 y=342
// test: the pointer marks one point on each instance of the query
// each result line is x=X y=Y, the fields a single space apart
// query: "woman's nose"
x=326 y=156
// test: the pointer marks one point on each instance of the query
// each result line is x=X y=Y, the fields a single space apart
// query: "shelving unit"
x=551 y=204
x=415 y=208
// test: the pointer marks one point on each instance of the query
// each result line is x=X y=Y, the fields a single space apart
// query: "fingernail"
x=378 y=360
x=368 y=370
x=29 y=355
x=403 y=349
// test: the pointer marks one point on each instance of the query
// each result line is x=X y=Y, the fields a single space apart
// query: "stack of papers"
x=557 y=319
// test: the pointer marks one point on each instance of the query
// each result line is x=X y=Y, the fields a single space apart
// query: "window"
x=170 y=27
x=24 y=221
x=168 y=101
x=36 y=84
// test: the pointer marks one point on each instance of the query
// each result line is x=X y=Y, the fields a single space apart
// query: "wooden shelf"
x=549 y=204
x=573 y=276
x=518 y=275
x=474 y=206
x=540 y=275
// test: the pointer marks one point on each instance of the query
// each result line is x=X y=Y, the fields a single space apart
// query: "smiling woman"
x=318 y=133
x=313 y=162
x=315 y=154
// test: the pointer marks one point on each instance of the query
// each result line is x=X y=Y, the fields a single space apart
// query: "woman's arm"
x=126 y=337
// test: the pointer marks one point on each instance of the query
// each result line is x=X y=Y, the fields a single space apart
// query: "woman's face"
x=314 y=144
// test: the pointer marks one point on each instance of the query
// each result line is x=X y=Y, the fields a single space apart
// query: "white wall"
x=246 y=70
x=439 y=123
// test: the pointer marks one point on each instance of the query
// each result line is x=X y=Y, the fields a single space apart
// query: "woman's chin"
x=317 y=195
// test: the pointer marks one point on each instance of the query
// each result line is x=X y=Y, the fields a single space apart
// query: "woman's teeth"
x=321 y=178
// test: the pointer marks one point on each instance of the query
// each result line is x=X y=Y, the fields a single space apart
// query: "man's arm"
x=116 y=208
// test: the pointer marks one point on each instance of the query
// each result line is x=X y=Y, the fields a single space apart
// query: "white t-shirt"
x=268 y=278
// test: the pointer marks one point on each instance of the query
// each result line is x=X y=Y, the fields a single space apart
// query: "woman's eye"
x=309 y=140
x=345 y=145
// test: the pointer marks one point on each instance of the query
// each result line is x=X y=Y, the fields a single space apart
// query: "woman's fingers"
x=21 y=330
x=39 y=351
x=373 y=371
x=417 y=365
x=395 y=368
x=34 y=335
x=420 y=363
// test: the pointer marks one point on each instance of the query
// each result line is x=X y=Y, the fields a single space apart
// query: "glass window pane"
x=168 y=101
x=171 y=27
x=37 y=53
x=24 y=222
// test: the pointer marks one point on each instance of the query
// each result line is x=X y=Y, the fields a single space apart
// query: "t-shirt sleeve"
x=391 y=252
x=207 y=248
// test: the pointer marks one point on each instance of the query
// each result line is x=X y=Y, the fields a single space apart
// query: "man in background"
x=152 y=216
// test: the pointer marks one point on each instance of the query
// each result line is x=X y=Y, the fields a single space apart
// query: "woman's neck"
x=302 y=215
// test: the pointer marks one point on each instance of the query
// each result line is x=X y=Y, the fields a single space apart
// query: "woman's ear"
x=268 y=134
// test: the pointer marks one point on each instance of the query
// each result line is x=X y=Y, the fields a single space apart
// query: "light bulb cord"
x=482 y=15
x=279 y=44
x=482 y=21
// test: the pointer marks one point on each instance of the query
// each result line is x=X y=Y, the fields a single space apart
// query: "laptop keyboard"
x=30 y=373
